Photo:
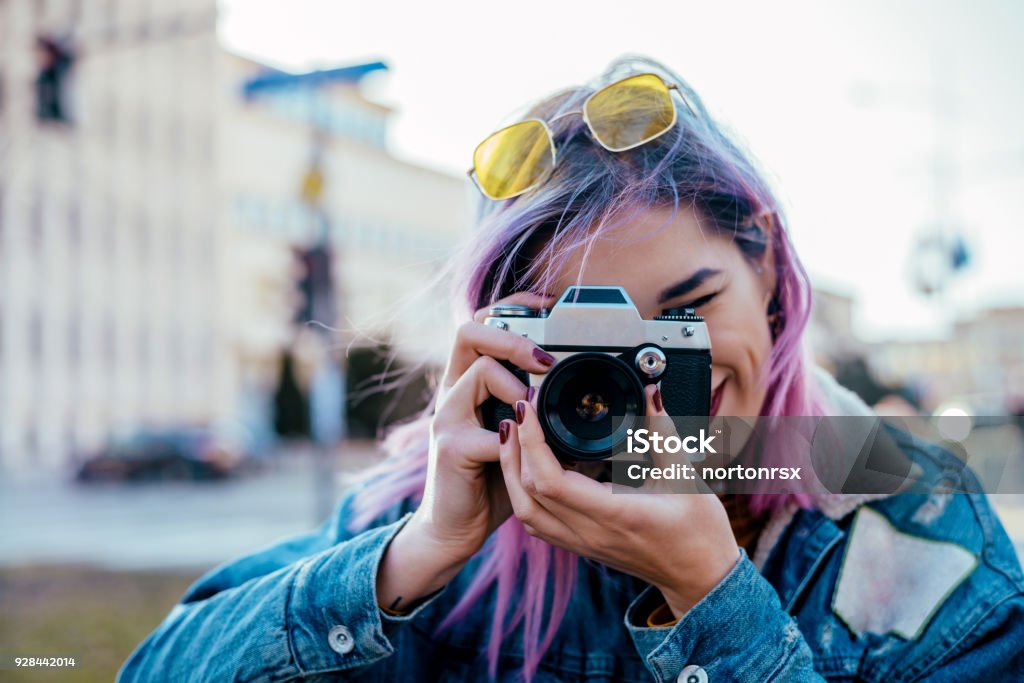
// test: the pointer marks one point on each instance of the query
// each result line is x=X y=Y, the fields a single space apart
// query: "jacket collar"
x=834 y=506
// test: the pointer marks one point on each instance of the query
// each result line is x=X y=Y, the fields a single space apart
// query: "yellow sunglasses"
x=620 y=116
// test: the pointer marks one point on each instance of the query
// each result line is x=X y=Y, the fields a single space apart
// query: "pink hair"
x=521 y=243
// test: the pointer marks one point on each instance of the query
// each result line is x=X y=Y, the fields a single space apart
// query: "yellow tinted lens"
x=514 y=159
x=630 y=112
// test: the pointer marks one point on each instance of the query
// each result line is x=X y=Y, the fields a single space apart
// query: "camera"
x=605 y=354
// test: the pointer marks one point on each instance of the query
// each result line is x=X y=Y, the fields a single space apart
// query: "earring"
x=776 y=317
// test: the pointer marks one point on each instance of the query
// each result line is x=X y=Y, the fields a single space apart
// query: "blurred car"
x=174 y=454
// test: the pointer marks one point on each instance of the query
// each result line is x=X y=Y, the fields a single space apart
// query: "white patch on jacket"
x=893 y=582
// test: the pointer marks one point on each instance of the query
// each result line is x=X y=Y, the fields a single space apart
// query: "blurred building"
x=391 y=224
x=830 y=334
x=148 y=213
x=110 y=264
x=981 y=362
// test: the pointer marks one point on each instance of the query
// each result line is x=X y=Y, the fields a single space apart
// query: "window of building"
x=143 y=343
x=204 y=142
x=35 y=337
x=108 y=341
x=74 y=340
x=142 y=132
x=176 y=350
x=174 y=137
x=35 y=220
x=107 y=117
x=143 y=236
x=74 y=225
x=31 y=440
x=108 y=226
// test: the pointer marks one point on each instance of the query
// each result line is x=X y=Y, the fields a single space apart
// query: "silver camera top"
x=600 y=316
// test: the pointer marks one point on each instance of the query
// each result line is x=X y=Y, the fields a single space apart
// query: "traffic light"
x=315 y=286
x=55 y=61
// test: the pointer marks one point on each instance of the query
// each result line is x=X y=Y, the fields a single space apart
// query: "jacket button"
x=340 y=640
x=692 y=673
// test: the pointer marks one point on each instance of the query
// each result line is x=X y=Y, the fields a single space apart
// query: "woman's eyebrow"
x=688 y=285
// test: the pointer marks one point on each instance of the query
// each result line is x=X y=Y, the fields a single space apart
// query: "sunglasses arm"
x=673 y=86
x=472 y=176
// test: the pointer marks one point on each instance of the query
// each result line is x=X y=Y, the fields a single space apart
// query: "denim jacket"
x=921 y=586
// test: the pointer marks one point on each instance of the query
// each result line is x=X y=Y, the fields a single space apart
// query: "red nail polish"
x=503 y=431
x=530 y=392
x=657 y=400
x=520 y=411
x=544 y=358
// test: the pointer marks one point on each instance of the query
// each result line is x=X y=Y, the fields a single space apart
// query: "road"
x=170 y=525
x=195 y=526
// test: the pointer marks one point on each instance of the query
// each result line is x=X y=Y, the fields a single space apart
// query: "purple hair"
x=520 y=244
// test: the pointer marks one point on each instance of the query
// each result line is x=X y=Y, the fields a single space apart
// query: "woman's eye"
x=696 y=303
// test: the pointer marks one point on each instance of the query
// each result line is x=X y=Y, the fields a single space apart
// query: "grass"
x=96 y=615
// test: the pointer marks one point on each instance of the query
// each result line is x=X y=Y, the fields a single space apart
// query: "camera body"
x=605 y=354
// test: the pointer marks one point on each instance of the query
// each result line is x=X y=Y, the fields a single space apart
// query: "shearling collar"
x=835 y=506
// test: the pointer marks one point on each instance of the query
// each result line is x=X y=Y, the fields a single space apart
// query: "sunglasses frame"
x=586 y=119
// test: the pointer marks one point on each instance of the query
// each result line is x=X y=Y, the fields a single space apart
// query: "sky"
x=849 y=108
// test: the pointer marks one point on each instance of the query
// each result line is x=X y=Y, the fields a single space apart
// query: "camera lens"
x=586 y=404
x=592 y=407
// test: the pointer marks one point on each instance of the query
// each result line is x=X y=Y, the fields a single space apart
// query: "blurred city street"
x=190 y=527
x=182 y=526
x=225 y=251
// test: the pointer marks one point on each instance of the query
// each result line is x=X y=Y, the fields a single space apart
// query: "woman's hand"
x=681 y=543
x=464 y=499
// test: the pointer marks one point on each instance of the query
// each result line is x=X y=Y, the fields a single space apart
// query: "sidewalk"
x=185 y=526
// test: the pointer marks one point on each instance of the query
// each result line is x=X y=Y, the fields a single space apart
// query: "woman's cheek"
x=739 y=369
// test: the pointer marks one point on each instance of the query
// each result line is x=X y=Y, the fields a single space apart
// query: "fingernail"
x=657 y=400
x=503 y=431
x=520 y=411
x=530 y=394
x=544 y=358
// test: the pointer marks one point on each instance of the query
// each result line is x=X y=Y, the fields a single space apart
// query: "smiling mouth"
x=716 y=398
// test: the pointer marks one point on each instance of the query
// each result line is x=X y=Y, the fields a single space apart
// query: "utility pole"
x=327 y=399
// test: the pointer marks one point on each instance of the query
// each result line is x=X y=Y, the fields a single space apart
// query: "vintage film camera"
x=605 y=354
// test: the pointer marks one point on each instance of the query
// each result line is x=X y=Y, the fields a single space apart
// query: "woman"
x=473 y=554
